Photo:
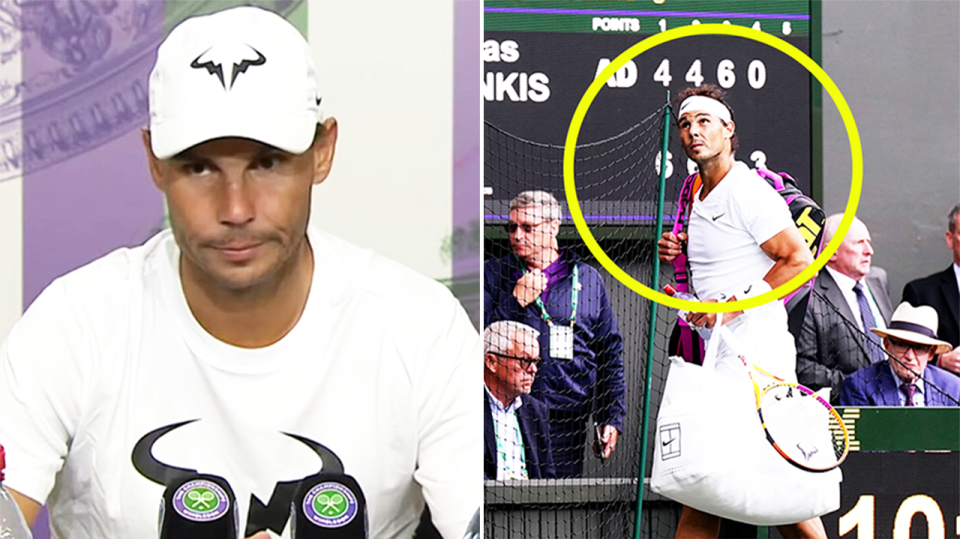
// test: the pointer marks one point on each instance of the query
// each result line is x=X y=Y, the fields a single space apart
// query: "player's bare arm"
x=790 y=255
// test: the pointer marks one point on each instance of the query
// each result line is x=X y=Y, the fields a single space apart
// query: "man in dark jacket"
x=942 y=292
x=516 y=441
x=566 y=301
x=830 y=348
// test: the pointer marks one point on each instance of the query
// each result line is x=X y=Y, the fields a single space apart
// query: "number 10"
x=863 y=519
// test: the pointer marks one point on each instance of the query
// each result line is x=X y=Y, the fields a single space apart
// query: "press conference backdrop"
x=74 y=183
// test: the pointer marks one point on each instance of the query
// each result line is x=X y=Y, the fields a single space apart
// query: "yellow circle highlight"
x=856 y=156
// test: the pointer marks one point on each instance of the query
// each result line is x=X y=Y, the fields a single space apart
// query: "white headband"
x=705 y=104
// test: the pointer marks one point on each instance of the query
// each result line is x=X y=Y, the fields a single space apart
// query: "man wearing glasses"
x=566 y=301
x=516 y=440
x=905 y=379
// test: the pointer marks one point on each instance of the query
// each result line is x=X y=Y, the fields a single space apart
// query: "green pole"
x=655 y=284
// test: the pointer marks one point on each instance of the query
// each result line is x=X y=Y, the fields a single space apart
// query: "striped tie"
x=908 y=391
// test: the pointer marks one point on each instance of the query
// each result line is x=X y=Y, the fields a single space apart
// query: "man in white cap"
x=905 y=379
x=740 y=242
x=242 y=342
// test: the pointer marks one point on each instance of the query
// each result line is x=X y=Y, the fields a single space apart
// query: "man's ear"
x=730 y=128
x=152 y=162
x=324 y=150
x=490 y=362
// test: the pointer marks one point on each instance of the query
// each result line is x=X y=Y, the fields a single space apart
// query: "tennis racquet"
x=798 y=423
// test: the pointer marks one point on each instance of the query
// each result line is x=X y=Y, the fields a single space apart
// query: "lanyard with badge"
x=561 y=337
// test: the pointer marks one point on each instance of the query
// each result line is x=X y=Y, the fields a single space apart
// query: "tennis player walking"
x=740 y=242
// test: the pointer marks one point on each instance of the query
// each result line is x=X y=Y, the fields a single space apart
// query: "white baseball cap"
x=243 y=72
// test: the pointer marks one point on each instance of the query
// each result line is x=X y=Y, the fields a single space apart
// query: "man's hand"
x=529 y=287
x=671 y=245
x=609 y=439
x=709 y=320
x=951 y=361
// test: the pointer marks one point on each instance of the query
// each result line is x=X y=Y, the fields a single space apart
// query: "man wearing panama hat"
x=905 y=379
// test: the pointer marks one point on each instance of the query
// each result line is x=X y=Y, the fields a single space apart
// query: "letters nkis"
x=515 y=86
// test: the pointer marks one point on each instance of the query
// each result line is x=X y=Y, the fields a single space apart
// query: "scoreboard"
x=540 y=57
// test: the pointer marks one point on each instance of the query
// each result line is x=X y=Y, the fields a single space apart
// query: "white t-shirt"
x=380 y=369
x=725 y=233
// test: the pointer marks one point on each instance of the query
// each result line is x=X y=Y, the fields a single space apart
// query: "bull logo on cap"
x=238 y=56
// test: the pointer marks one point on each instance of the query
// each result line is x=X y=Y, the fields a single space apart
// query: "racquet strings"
x=803 y=427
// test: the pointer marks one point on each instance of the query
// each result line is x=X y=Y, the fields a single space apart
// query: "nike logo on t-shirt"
x=715 y=217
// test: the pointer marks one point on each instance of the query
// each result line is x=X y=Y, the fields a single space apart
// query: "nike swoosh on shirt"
x=719 y=216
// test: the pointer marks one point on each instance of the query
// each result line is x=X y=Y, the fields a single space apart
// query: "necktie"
x=866 y=316
x=908 y=390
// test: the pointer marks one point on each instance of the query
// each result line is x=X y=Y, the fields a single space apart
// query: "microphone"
x=329 y=505
x=199 y=506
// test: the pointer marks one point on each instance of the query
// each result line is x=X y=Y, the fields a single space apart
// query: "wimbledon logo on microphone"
x=330 y=505
x=201 y=501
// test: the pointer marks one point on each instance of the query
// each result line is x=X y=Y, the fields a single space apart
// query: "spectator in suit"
x=942 y=292
x=905 y=379
x=828 y=348
x=515 y=430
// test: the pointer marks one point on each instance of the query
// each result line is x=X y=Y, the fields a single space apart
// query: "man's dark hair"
x=952 y=219
x=709 y=90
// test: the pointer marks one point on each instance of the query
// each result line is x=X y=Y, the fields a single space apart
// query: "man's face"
x=239 y=208
x=516 y=374
x=531 y=233
x=953 y=240
x=913 y=356
x=704 y=136
x=855 y=253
